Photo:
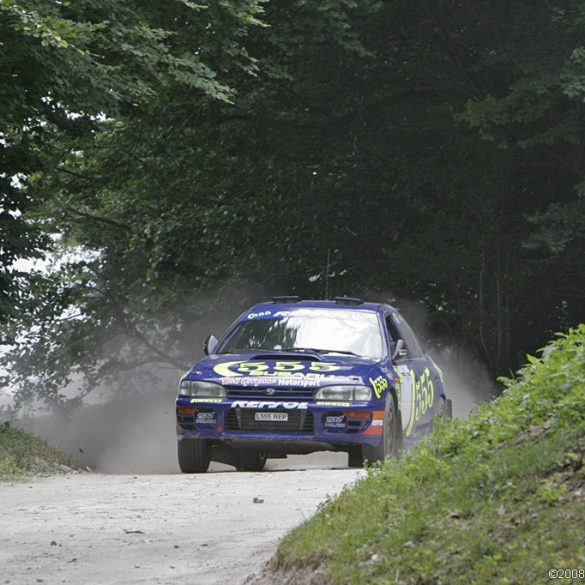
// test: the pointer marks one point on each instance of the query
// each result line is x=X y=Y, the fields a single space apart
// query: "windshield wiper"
x=302 y=349
x=343 y=351
x=315 y=350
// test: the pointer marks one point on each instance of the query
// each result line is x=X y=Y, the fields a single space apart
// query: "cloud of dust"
x=128 y=425
x=125 y=434
x=467 y=380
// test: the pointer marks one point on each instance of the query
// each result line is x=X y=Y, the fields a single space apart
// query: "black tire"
x=194 y=455
x=399 y=435
x=251 y=460
x=355 y=457
x=391 y=437
x=448 y=409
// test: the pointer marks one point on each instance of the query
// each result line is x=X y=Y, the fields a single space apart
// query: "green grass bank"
x=496 y=498
x=23 y=455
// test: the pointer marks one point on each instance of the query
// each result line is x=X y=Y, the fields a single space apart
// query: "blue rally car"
x=297 y=376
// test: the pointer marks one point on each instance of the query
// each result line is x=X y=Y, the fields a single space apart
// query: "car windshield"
x=312 y=330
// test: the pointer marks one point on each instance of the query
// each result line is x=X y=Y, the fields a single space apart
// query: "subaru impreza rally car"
x=298 y=376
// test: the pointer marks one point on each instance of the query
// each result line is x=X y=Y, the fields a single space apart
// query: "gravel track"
x=214 y=528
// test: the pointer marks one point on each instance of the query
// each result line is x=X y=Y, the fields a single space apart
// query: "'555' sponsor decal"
x=284 y=368
x=269 y=405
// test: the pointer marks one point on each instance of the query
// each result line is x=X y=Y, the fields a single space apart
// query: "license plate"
x=273 y=416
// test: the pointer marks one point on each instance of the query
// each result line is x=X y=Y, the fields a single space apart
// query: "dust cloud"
x=127 y=434
x=467 y=381
x=128 y=424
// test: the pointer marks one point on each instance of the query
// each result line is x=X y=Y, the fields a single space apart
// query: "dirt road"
x=180 y=529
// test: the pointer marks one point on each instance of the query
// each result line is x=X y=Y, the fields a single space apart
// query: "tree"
x=67 y=66
x=427 y=147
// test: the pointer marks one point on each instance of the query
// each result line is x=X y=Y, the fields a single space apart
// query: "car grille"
x=240 y=419
x=287 y=393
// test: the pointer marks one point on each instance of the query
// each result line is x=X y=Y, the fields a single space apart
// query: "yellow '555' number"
x=423 y=396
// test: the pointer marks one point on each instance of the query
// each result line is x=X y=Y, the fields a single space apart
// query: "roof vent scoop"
x=348 y=301
x=285 y=300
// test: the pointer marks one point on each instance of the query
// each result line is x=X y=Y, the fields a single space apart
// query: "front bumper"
x=242 y=420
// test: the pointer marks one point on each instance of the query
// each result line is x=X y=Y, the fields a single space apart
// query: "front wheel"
x=194 y=455
x=355 y=457
x=391 y=436
x=251 y=460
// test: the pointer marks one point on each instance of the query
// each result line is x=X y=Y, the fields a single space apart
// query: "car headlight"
x=344 y=393
x=207 y=389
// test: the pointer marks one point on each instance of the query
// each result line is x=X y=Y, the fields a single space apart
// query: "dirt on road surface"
x=213 y=528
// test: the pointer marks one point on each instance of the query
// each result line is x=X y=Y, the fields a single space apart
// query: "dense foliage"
x=495 y=498
x=433 y=149
x=66 y=67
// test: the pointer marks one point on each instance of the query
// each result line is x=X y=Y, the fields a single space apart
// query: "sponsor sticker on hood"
x=255 y=381
x=289 y=381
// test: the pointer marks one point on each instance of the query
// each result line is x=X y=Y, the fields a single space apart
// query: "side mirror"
x=400 y=350
x=210 y=344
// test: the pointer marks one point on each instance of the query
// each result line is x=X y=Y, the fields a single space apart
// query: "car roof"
x=338 y=304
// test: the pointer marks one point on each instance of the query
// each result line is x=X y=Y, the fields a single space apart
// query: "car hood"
x=258 y=369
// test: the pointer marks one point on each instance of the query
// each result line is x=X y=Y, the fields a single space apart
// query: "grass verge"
x=23 y=455
x=496 y=498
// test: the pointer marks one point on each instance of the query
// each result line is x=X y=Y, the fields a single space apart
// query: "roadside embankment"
x=23 y=455
x=496 y=498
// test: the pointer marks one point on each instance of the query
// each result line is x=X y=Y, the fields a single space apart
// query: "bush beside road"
x=23 y=455
x=496 y=498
